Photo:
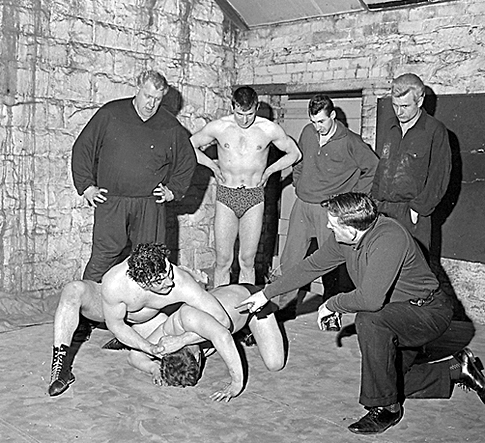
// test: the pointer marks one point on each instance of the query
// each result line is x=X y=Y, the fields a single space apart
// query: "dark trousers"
x=121 y=223
x=390 y=341
x=432 y=380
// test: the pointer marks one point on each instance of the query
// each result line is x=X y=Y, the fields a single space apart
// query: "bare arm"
x=114 y=316
x=200 y=141
x=207 y=327
x=194 y=295
x=286 y=144
x=141 y=361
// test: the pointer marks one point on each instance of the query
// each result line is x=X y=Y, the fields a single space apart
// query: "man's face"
x=164 y=284
x=406 y=107
x=343 y=234
x=245 y=119
x=148 y=99
x=323 y=123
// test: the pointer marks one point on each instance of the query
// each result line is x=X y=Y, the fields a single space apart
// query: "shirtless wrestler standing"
x=241 y=172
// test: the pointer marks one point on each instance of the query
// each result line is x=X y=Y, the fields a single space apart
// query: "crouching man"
x=401 y=312
x=180 y=363
x=132 y=292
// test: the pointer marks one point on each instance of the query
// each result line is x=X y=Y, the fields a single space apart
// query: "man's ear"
x=420 y=101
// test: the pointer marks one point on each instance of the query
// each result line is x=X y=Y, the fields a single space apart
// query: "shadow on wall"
x=443 y=211
x=173 y=101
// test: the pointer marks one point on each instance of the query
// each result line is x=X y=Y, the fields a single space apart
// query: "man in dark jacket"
x=403 y=319
x=415 y=161
x=130 y=159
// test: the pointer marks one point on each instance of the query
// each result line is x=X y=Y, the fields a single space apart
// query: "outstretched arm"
x=286 y=144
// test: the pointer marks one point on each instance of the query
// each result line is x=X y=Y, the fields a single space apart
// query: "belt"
x=426 y=300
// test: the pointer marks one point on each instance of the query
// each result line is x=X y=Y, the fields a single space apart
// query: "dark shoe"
x=115 y=345
x=246 y=337
x=471 y=376
x=376 y=421
x=61 y=375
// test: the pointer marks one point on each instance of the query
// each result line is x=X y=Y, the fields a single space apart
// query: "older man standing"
x=415 y=161
x=130 y=159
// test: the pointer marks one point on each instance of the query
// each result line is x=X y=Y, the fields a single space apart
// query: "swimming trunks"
x=239 y=200
x=251 y=288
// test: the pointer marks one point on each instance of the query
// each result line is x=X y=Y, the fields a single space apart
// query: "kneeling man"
x=401 y=312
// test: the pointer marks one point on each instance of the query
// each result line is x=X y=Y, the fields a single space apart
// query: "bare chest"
x=145 y=308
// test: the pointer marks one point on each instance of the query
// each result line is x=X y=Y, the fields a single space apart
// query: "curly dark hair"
x=180 y=368
x=147 y=262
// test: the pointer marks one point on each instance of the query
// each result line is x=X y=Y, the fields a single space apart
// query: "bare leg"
x=75 y=298
x=225 y=231
x=270 y=342
x=250 y=227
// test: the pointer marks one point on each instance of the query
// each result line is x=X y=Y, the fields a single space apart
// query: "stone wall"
x=60 y=61
x=443 y=42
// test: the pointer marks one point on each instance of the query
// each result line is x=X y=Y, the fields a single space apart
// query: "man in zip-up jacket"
x=335 y=160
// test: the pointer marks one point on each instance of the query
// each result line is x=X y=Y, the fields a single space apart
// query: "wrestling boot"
x=471 y=376
x=61 y=375
x=376 y=421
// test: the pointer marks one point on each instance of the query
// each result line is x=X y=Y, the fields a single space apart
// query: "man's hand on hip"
x=164 y=194
x=94 y=195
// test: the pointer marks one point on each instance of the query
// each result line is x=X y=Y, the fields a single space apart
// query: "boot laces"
x=57 y=364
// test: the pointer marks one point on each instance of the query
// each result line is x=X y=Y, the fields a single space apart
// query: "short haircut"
x=408 y=83
x=147 y=262
x=353 y=209
x=320 y=102
x=180 y=368
x=158 y=80
x=245 y=97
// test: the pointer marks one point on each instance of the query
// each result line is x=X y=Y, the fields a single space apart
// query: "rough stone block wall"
x=60 y=61
x=442 y=42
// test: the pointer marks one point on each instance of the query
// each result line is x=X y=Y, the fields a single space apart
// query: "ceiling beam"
x=232 y=14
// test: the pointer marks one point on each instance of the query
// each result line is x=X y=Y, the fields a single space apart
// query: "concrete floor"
x=313 y=399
